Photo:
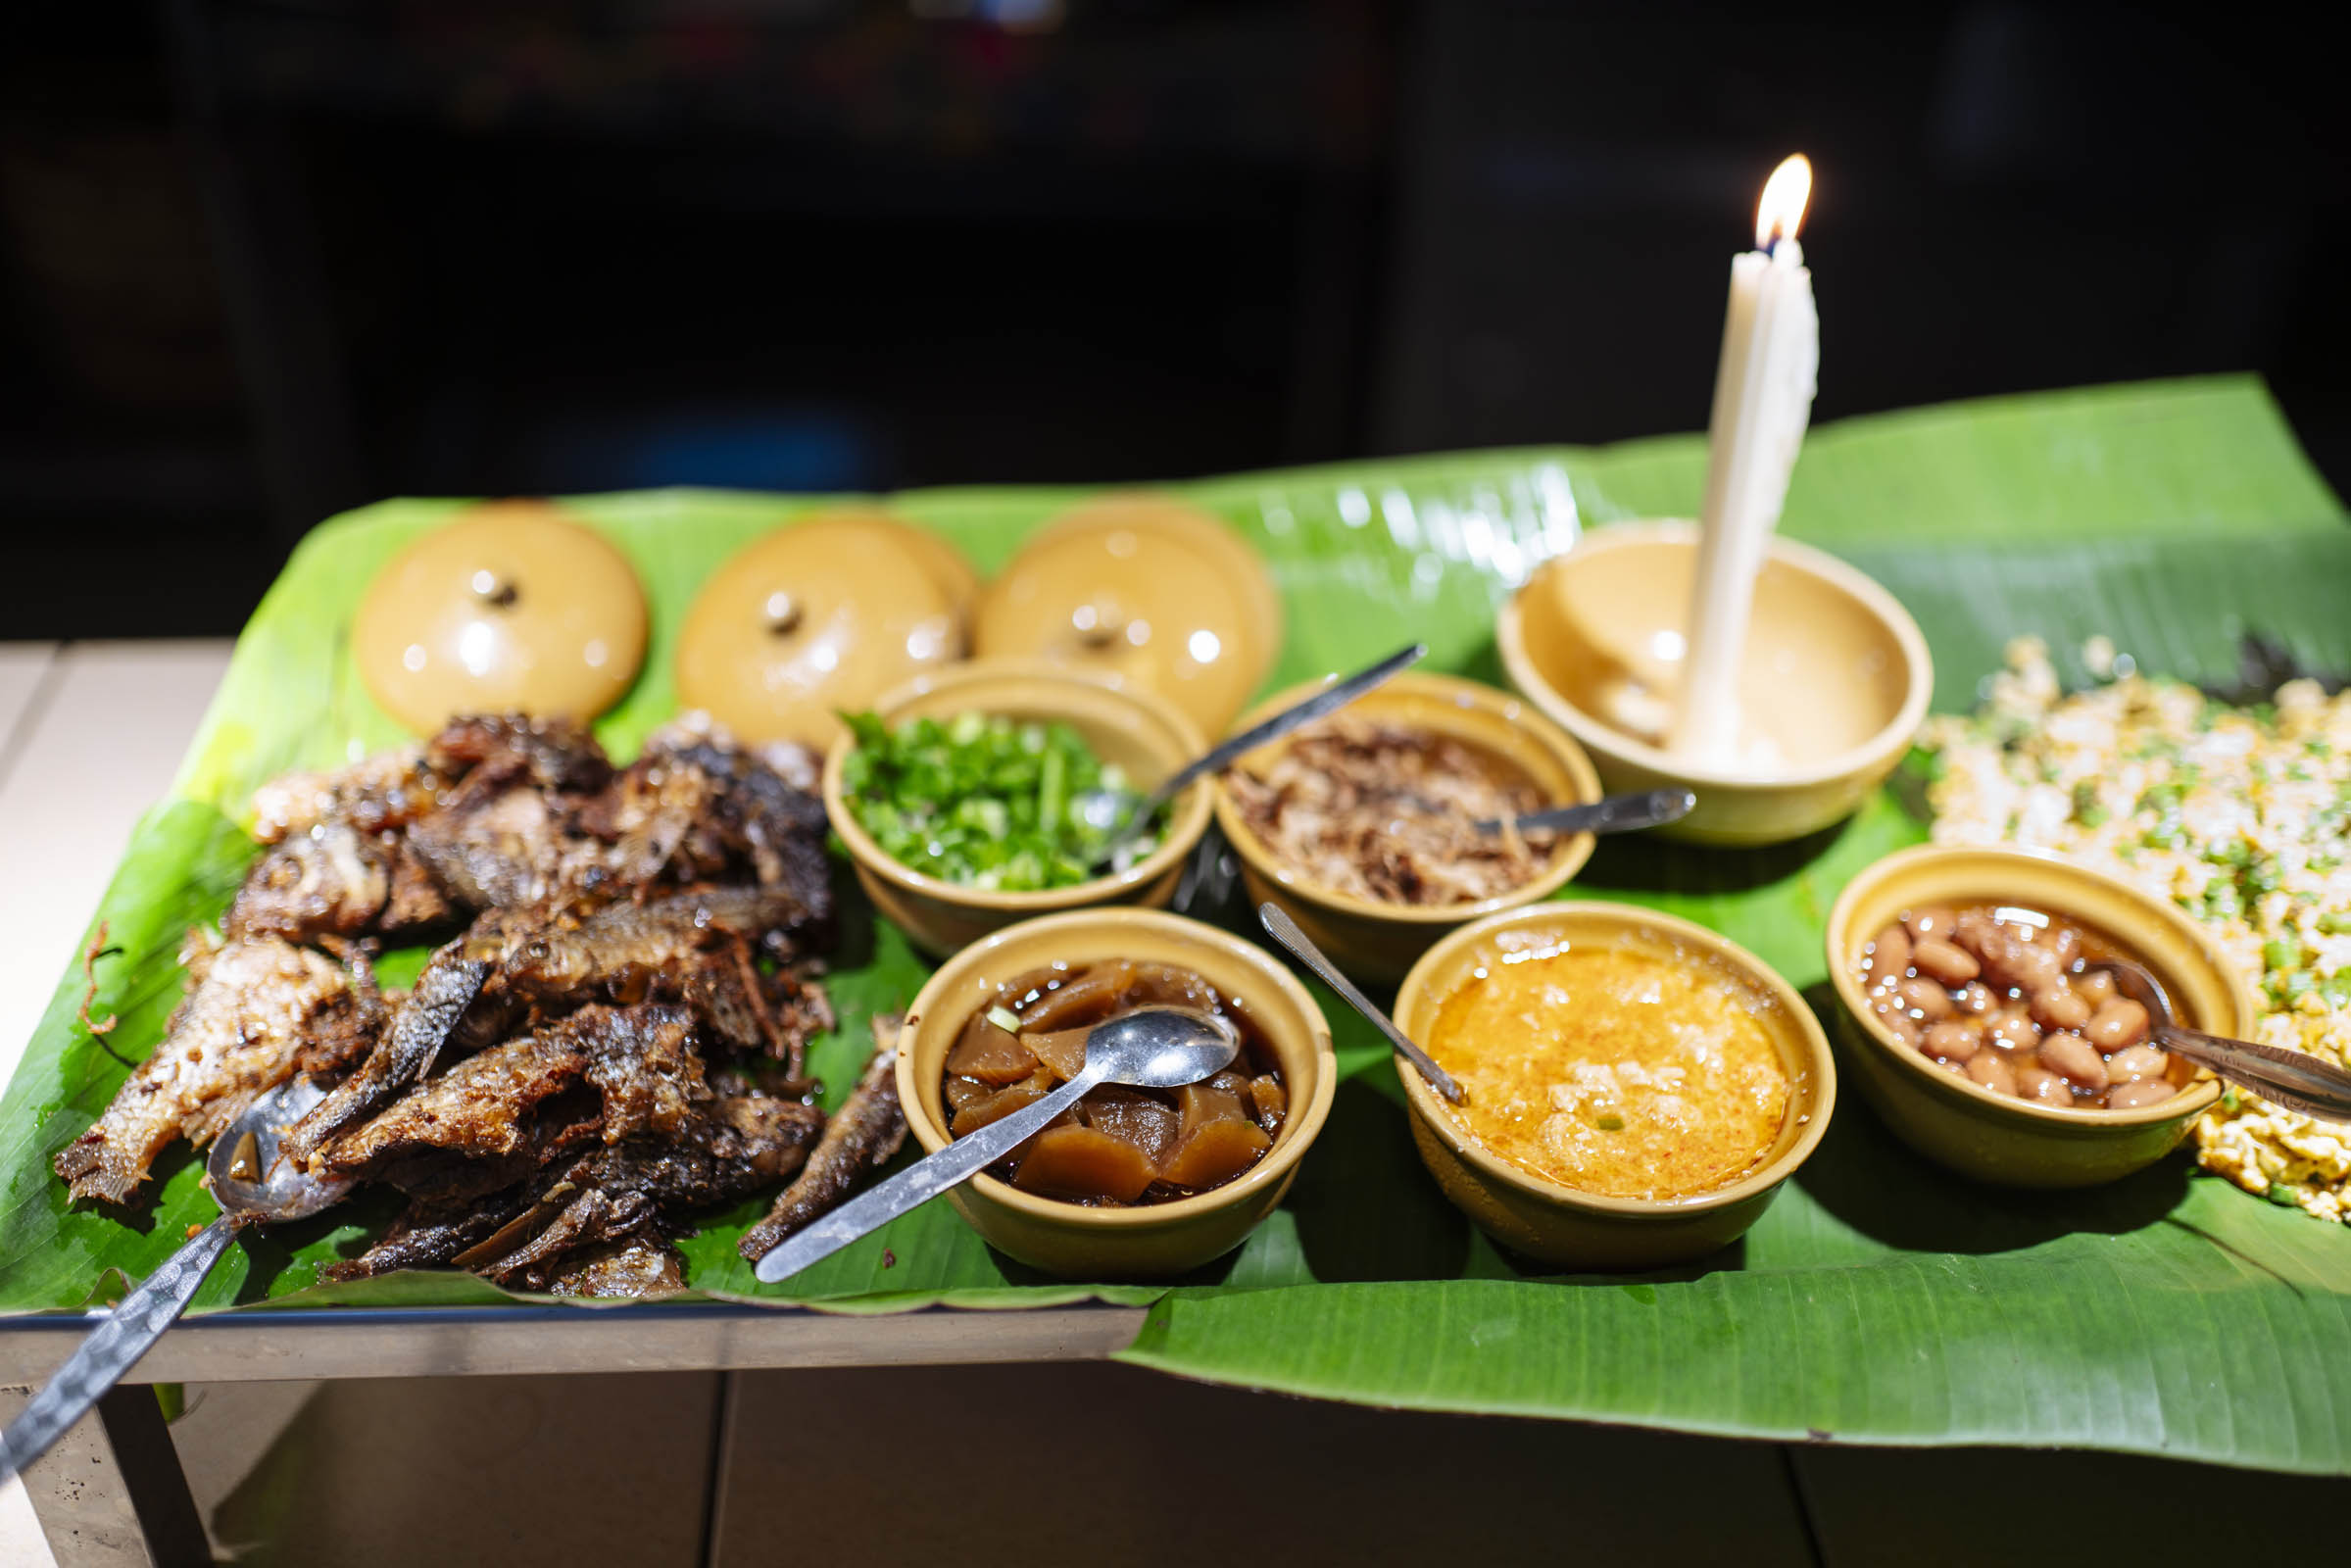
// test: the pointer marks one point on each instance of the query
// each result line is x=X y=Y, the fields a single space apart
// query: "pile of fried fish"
x=613 y=1036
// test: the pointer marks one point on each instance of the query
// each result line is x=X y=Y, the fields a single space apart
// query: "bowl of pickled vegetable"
x=1128 y=1183
x=992 y=792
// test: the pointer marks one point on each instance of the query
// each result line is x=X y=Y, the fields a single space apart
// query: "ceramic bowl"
x=1994 y=1136
x=1562 y=1226
x=1157 y=1241
x=1378 y=942
x=1142 y=733
x=1835 y=672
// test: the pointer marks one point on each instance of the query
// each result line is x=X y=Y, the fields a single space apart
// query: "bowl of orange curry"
x=1636 y=1088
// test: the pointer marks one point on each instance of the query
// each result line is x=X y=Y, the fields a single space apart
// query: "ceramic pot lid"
x=825 y=614
x=1145 y=590
x=510 y=607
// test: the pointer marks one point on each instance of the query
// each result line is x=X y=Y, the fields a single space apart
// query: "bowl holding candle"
x=1834 y=677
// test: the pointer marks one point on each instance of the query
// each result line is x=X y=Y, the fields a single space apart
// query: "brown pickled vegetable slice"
x=1061 y=1051
x=990 y=1055
x=1270 y=1100
x=961 y=1091
x=1136 y=1118
x=1002 y=1103
x=1073 y=1161
x=1215 y=1152
x=1212 y=1101
x=1087 y=999
x=1155 y=985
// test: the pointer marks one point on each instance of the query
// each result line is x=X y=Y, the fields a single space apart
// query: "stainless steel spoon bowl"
x=2289 y=1078
x=1151 y=1047
x=253 y=1187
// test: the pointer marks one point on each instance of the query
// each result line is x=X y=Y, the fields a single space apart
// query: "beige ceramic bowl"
x=1375 y=941
x=1142 y=733
x=1109 y=1243
x=1835 y=672
x=1561 y=1225
x=1994 y=1136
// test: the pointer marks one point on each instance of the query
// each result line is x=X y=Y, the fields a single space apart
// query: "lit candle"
x=1762 y=403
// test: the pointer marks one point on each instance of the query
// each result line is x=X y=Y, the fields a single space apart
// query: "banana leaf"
x=1879 y=1300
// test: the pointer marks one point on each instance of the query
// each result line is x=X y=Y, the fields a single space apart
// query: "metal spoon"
x=1151 y=1047
x=1285 y=931
x=253 y=1187
x=1099 y=807
x=2288 y=1077
x=1612 y=814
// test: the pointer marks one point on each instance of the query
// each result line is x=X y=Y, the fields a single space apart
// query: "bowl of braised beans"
x=1984 y=1027
x=1129 y=1183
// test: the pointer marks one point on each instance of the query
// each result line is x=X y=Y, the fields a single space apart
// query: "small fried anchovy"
x=330 y=879
x=252 y=1009
x=447 y=987
x=388 y=790
x=858 y=1139
x=642 y=1267
x=623 y=1190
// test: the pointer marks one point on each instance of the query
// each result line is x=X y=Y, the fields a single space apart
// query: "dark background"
x=261 y=260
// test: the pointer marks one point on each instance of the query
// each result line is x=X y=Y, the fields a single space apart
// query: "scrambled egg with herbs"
x=2236 y=814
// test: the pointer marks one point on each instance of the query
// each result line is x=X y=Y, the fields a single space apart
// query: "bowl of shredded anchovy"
x=992 y=793
x=2237 y=812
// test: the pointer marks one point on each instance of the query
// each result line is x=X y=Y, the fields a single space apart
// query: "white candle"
x=1762 y=403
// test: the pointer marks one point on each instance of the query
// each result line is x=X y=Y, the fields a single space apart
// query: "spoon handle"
x=1614 y=813
x=2288 y=1077
x=1329 y=700
x=1285 y=931
x=113 y=1347
x=922 y=1180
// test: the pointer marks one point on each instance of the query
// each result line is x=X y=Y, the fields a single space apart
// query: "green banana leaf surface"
x=1878 y=1300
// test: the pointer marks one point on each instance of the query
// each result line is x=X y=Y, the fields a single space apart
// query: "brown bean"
x=1891 y=1014
x=2134 y=1063
x=1890 y=957
x=2119 y=1023
x=1940 y=960
x=2042 y=1085
x=1924 y=998
x=1977 y=999
x=1992 y=1072
x=2141 y=1092
x=2025 y=967
x=2069 y=1053
x=2010 y=1030
x=2065 y=942
x=1933 y=921
x=2094 y=986
x=2058 y=1005
x=1955 y=1038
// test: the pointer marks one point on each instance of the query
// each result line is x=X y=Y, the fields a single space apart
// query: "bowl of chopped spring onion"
x=990 y=793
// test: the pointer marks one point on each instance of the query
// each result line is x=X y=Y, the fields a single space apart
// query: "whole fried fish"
x=858 y=1139
x=256 y=1013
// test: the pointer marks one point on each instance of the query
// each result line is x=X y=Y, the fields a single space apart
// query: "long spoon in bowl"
x=1612 y=814
x=1102 y=805
x=1285 y=931
x=253 y=1187
x=1151 y=1047
x=2288 y=1077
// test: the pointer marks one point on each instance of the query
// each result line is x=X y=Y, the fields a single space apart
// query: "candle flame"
x=1783 y=197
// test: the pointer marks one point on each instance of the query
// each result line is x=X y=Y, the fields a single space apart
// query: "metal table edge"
x=332 y=1343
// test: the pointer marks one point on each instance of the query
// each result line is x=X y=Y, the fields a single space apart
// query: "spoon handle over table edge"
x=113 y=1347
x=920 y=1181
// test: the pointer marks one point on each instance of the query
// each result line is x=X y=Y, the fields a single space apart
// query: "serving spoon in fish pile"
x=253 y=1187
x=1151 y=1047
x=2289 y=1078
